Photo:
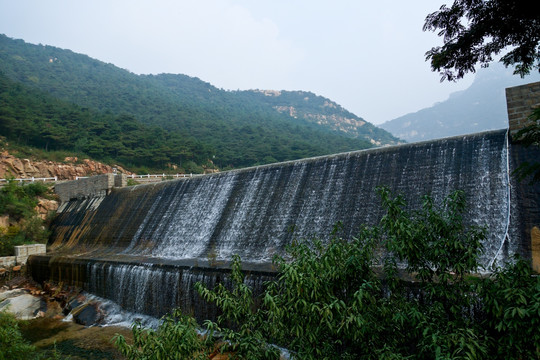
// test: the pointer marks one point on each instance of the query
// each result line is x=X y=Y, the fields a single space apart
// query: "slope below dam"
x=145 y=246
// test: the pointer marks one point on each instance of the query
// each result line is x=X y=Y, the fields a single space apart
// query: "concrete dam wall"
x=145 y=246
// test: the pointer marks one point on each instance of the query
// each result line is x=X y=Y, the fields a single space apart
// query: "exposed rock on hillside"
x=325 y=113
x=67 y=170
x=45 y=207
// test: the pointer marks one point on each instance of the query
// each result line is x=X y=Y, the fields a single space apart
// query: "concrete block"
x=6 y=261
x=21 y=260
x=26 y=250
x=21 y=250
x=120 y=180
x=40 y=248
x=83 y=188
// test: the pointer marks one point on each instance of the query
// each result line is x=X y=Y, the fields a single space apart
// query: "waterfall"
x=169 y=235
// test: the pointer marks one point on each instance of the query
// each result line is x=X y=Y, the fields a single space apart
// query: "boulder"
x=45 y=207
x=8 y=294
x=73 y=303
x=88 y=314
x=24 y=307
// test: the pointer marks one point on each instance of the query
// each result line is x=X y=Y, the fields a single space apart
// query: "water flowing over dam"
x=145 y=246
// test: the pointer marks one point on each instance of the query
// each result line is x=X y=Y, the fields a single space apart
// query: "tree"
x=476 y=30
x=354 y=299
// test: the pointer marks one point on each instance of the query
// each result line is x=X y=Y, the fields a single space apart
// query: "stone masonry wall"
x=82 y=188
x=89 y=187
x=21 y=254
x=521 y=101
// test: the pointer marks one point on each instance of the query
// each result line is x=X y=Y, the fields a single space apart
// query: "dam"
x=146 y=246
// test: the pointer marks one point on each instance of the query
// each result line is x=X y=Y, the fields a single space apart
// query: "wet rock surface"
x=88 y=314
x=24 y=306
x=60 y=319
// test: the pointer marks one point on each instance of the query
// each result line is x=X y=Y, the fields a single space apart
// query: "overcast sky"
x=368 y=56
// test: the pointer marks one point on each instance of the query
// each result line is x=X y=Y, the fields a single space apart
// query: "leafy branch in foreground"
x=12 y=344
x=241 y=325
x=475 y=31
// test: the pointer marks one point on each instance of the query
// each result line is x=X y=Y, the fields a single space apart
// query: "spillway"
x=142 y=244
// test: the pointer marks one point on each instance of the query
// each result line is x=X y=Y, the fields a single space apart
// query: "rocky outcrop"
x=323 y=112
x=22 y=304
x=45 y=207
x=69 y=169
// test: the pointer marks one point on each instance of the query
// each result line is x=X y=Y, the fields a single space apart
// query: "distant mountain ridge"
x=480 y=107
x=236 y=128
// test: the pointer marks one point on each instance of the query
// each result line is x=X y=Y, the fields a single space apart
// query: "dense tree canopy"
x=34 y=118
x=474 y=31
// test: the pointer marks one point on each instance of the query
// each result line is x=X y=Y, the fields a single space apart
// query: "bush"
x=19 y=202
x=175 y=338
x=12 y=344
x=511 y=297
x=190 y=167
x=350 y=299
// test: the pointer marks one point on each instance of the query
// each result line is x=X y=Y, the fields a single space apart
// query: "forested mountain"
x=35 y=118
x=480 y=107
x=189 y=117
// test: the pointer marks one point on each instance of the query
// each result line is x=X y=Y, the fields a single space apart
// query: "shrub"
x=191 y=167
x=175 y=338
x=511 y=297
x=405 y=289
x=19 y=202
x=12 y=344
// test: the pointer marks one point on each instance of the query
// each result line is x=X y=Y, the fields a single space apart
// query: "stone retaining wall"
x=89 y=187
x=520 y=102
x=21 y=254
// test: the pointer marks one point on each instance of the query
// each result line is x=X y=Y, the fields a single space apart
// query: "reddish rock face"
x=67 y=170
x=45 y=207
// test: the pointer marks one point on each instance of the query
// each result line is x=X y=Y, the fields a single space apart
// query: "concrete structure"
x=27 y=250
x=120 y=180
x=99 y=185
x=8 y=261
x=145 y=247
x=22 y=253
x=520 y=102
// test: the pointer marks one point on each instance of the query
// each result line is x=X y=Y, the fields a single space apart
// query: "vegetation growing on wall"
x=349 y=300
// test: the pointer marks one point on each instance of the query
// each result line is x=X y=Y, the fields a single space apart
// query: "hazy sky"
x=368 y=56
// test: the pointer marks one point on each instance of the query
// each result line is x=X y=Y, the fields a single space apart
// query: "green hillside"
x=34 y=118
x=191 y=118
